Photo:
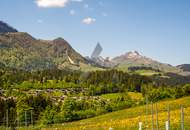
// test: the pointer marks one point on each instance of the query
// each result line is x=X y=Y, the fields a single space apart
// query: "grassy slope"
x=129 y=118
x=147 y=72
x=140 y=72
x=132 y=95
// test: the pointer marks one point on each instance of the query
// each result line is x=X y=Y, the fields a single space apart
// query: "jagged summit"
x=97 y=51
x=128 y=56
x=21 y=50
x=133 y=54
x=98 y=60
x=134 y=58
x=5 y=28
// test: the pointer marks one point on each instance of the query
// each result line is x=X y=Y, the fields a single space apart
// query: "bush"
x=187 y=89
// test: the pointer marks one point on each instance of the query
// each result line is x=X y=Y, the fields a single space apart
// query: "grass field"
x=128 y=119
x=133 y=95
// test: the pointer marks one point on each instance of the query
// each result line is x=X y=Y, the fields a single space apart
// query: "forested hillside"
x=56 y=96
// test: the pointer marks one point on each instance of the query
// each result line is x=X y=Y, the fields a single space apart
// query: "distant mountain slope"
x=184 y=67
x=4 y=28
x=134 y=58
x=20 y=50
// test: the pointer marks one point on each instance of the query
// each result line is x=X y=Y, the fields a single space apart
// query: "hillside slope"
x=4 y=28
x=134 y=58
x=184 y=67
x=22 y=51
x=129 y=118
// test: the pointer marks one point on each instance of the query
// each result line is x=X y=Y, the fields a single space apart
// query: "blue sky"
x=159 y=29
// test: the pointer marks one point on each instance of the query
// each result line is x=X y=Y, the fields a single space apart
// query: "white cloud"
x=86 y=6
x=88 y=20
x=77 y=0
x=40 y=21
x=54 y=3
x=72 y=12
x=104 y=14
x=51 y=3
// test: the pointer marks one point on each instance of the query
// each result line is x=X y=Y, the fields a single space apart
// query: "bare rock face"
x=97 y=51
x=98 y=60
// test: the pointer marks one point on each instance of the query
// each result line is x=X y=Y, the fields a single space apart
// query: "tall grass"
x=128 y=119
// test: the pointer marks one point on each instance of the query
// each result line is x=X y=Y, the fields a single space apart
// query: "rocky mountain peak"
x=133 y=54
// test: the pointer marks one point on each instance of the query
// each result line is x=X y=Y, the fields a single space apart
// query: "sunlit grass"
x=129 y=118
x=132 y=95
x=135 y=96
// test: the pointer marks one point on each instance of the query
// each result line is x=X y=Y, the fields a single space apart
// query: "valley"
x=46 y=84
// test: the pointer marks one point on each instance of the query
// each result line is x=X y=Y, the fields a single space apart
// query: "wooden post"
x=18 y=120
x=140 y=125
x=7 y=119
x=25 y=118
x=152 y=112
x=157 y=123
x=167 y=125
x=31 y=117
x=146 y=112
x=182 y=118
x=168 y=117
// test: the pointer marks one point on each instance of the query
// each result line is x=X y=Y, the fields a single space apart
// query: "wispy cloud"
x=88 y=20
x=40 y=21
x=72 y=12
x=77 y=0
x=54 y=3
x=86 y=6
x=104 y=14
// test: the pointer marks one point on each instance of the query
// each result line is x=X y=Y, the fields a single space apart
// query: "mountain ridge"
x=23 y=51
x=5 y=28
x=134 y=58
x=184 y=67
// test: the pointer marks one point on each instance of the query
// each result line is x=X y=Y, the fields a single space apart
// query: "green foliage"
x=7 y=107
x=156 y=94
x=56 y=96
x=187 y=89
x=128 y=119
x=48 y=116
x=68 y=110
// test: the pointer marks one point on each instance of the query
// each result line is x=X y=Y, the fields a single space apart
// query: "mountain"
x=98 y=60
x=184 y=67
x=101 y=62
x=5 y=28
x=135 y=59
x=22 y=51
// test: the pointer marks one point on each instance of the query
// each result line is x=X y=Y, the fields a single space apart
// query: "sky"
x=159 y=29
